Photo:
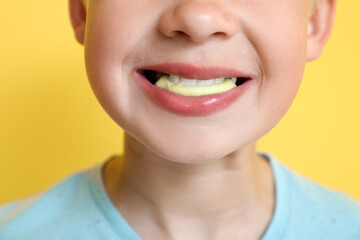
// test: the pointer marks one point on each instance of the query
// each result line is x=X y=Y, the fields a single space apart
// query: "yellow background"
x=51 y=124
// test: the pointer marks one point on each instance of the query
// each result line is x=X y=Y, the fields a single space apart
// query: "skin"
x=192 y=177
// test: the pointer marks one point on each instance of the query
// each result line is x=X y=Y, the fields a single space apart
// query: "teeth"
x=188 y=82
x=194 y=87
x=174 y=79
x=206 y=82
x=219 y=80
x=195 y=82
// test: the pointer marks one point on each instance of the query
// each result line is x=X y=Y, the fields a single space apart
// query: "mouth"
x=193 y=90
x=194 y=84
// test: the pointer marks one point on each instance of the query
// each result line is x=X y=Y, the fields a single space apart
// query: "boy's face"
x=264 y=41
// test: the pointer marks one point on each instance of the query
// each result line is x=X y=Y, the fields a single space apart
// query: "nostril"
x=198 y=21
x=179 y=33
x=220 y=34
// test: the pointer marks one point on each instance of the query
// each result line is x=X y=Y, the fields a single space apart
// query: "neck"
x=238 y=185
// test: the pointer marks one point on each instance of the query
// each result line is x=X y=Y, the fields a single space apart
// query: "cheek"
x=109 y=43
x=283 y=58
x=283 y=72
x=281 y=49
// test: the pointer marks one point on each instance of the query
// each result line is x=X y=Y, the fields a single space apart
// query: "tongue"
x=194 y=91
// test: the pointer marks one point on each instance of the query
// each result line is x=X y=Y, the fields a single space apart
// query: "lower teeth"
x=195 y=91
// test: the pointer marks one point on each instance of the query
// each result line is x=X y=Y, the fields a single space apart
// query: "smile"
x=192 y=87
x=192 y=90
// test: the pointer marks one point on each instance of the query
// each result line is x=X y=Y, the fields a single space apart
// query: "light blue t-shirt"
x=78 y=208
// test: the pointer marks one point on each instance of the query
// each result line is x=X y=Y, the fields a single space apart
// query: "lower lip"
x=193 y=106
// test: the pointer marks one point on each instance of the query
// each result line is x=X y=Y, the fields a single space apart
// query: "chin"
x=193 y=150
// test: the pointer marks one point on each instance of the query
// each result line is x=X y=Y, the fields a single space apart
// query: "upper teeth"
x=195 y=82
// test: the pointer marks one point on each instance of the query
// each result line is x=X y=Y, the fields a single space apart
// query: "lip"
x=192 y=106
x=195 y=72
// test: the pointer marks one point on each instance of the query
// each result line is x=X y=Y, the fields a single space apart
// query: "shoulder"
x=319 y=212
x=327 y=203
x=37 y=214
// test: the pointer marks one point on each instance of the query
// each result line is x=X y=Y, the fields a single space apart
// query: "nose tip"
x=197 y=20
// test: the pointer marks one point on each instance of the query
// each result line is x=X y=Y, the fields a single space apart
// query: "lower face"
x=127 y=50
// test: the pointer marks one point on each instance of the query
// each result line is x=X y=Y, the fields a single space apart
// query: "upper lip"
x=191 y=71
